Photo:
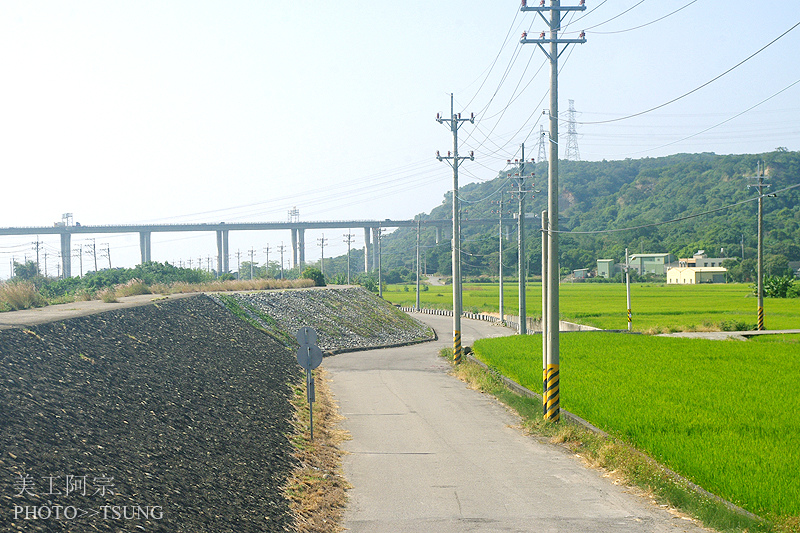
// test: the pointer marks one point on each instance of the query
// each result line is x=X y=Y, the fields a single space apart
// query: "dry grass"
x=108 y=295
x=317 y=489
x=231 y=285
x=133 y=287
x=19 y=295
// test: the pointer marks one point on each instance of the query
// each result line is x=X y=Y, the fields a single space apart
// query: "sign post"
x=309 y=356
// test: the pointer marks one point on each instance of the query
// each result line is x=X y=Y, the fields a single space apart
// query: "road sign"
x=309 y=357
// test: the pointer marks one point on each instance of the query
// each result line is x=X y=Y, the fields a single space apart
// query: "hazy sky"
x=177 y=111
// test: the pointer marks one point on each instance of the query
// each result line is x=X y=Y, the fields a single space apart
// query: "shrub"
x=315 y=275
x=108 y=295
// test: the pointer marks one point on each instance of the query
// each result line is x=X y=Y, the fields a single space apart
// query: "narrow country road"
x=429 y=454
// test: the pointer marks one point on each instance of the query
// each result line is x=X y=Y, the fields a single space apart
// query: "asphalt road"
x=429 y=454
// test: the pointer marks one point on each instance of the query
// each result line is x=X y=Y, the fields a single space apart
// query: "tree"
x=27 y=270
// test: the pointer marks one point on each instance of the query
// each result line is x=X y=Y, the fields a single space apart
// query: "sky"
x=150 y=111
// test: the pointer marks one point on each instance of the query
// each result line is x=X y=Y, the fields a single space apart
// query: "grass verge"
x=317 y=488
x=618 y=459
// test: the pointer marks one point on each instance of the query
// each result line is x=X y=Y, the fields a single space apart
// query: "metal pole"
x=628 y=287
x=553 y=407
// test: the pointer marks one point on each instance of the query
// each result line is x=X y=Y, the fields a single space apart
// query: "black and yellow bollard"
x=760 y=319
x=457 y=347
x=552 y=410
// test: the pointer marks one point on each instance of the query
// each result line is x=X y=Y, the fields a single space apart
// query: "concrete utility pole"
x=93 y=251
x=500 y=253
x=238 y=264
x=266 y=263
x=519 y=177
x=107 y=253
x=760 y=185
x=348 y=238
x=37 y=243
x=321 y=241
x=281 y=248
x=380 y=254
x=454 y=161
x=80 y=257
x=545 y=309
x=252 y=253
x=417 y=262
x=628 y=289
x=555 y=9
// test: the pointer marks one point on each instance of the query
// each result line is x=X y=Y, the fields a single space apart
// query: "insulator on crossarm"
x=459 y=116
x=524 y=35
x=438 y=115
x=437 y=155
x=541 y=35
x=583 y=35
x=508 y=161
x=524 y=3
x=448 y=153
x=472 y=155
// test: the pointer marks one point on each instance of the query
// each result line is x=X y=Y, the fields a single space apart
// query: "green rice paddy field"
x=656 y=307
x=725 y=414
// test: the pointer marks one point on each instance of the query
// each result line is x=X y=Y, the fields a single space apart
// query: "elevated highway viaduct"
x=222 y=230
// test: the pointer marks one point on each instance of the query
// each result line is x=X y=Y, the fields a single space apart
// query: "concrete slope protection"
x=428 y=454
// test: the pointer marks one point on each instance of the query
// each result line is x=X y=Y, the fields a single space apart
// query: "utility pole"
x=281 y=248
x=519 y=177
x=455 y=122
x=628 y=288
x=321 y=241
x=417 y=262
x=45 y=263
x=252 y=253
x=555 y=9
x=37 y=243
x=238 y=264
x=380 y=254
x=760 y=185
x=107 y=253
x=80 y=257
x=545 y=309
x=348 y=238
x=93 y=251
x=266 y=268
x=500 y=261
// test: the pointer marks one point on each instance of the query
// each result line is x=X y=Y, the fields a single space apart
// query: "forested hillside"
x=616 y=195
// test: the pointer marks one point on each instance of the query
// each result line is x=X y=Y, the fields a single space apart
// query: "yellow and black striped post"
x=457 y=347
x=630 y=321
x=760 y=318
x=552 y=410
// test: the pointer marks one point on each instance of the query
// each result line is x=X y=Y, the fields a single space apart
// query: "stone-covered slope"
x=344 y=318
x=184 y=405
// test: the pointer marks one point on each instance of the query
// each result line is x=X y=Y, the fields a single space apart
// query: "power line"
x=712 y=80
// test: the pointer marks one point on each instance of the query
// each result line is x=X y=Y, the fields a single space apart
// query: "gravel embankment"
x=170 y=417
x=185 y=406
x=345 y=319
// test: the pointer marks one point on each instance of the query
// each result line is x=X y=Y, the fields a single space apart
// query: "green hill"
x=614 y=195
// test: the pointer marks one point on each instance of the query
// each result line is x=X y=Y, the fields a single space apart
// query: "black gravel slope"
x=181 y=403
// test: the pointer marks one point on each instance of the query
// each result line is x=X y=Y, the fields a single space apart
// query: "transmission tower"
x=542 y=144
x=573 y=154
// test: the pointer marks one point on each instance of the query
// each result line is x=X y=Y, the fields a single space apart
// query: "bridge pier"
x=144 y=245
x=438 y=233
x=301 y=250
x=367 y=249
x=66 y=255
x=222 y=252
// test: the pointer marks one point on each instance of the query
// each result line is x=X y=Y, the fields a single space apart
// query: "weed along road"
x=429 y=454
